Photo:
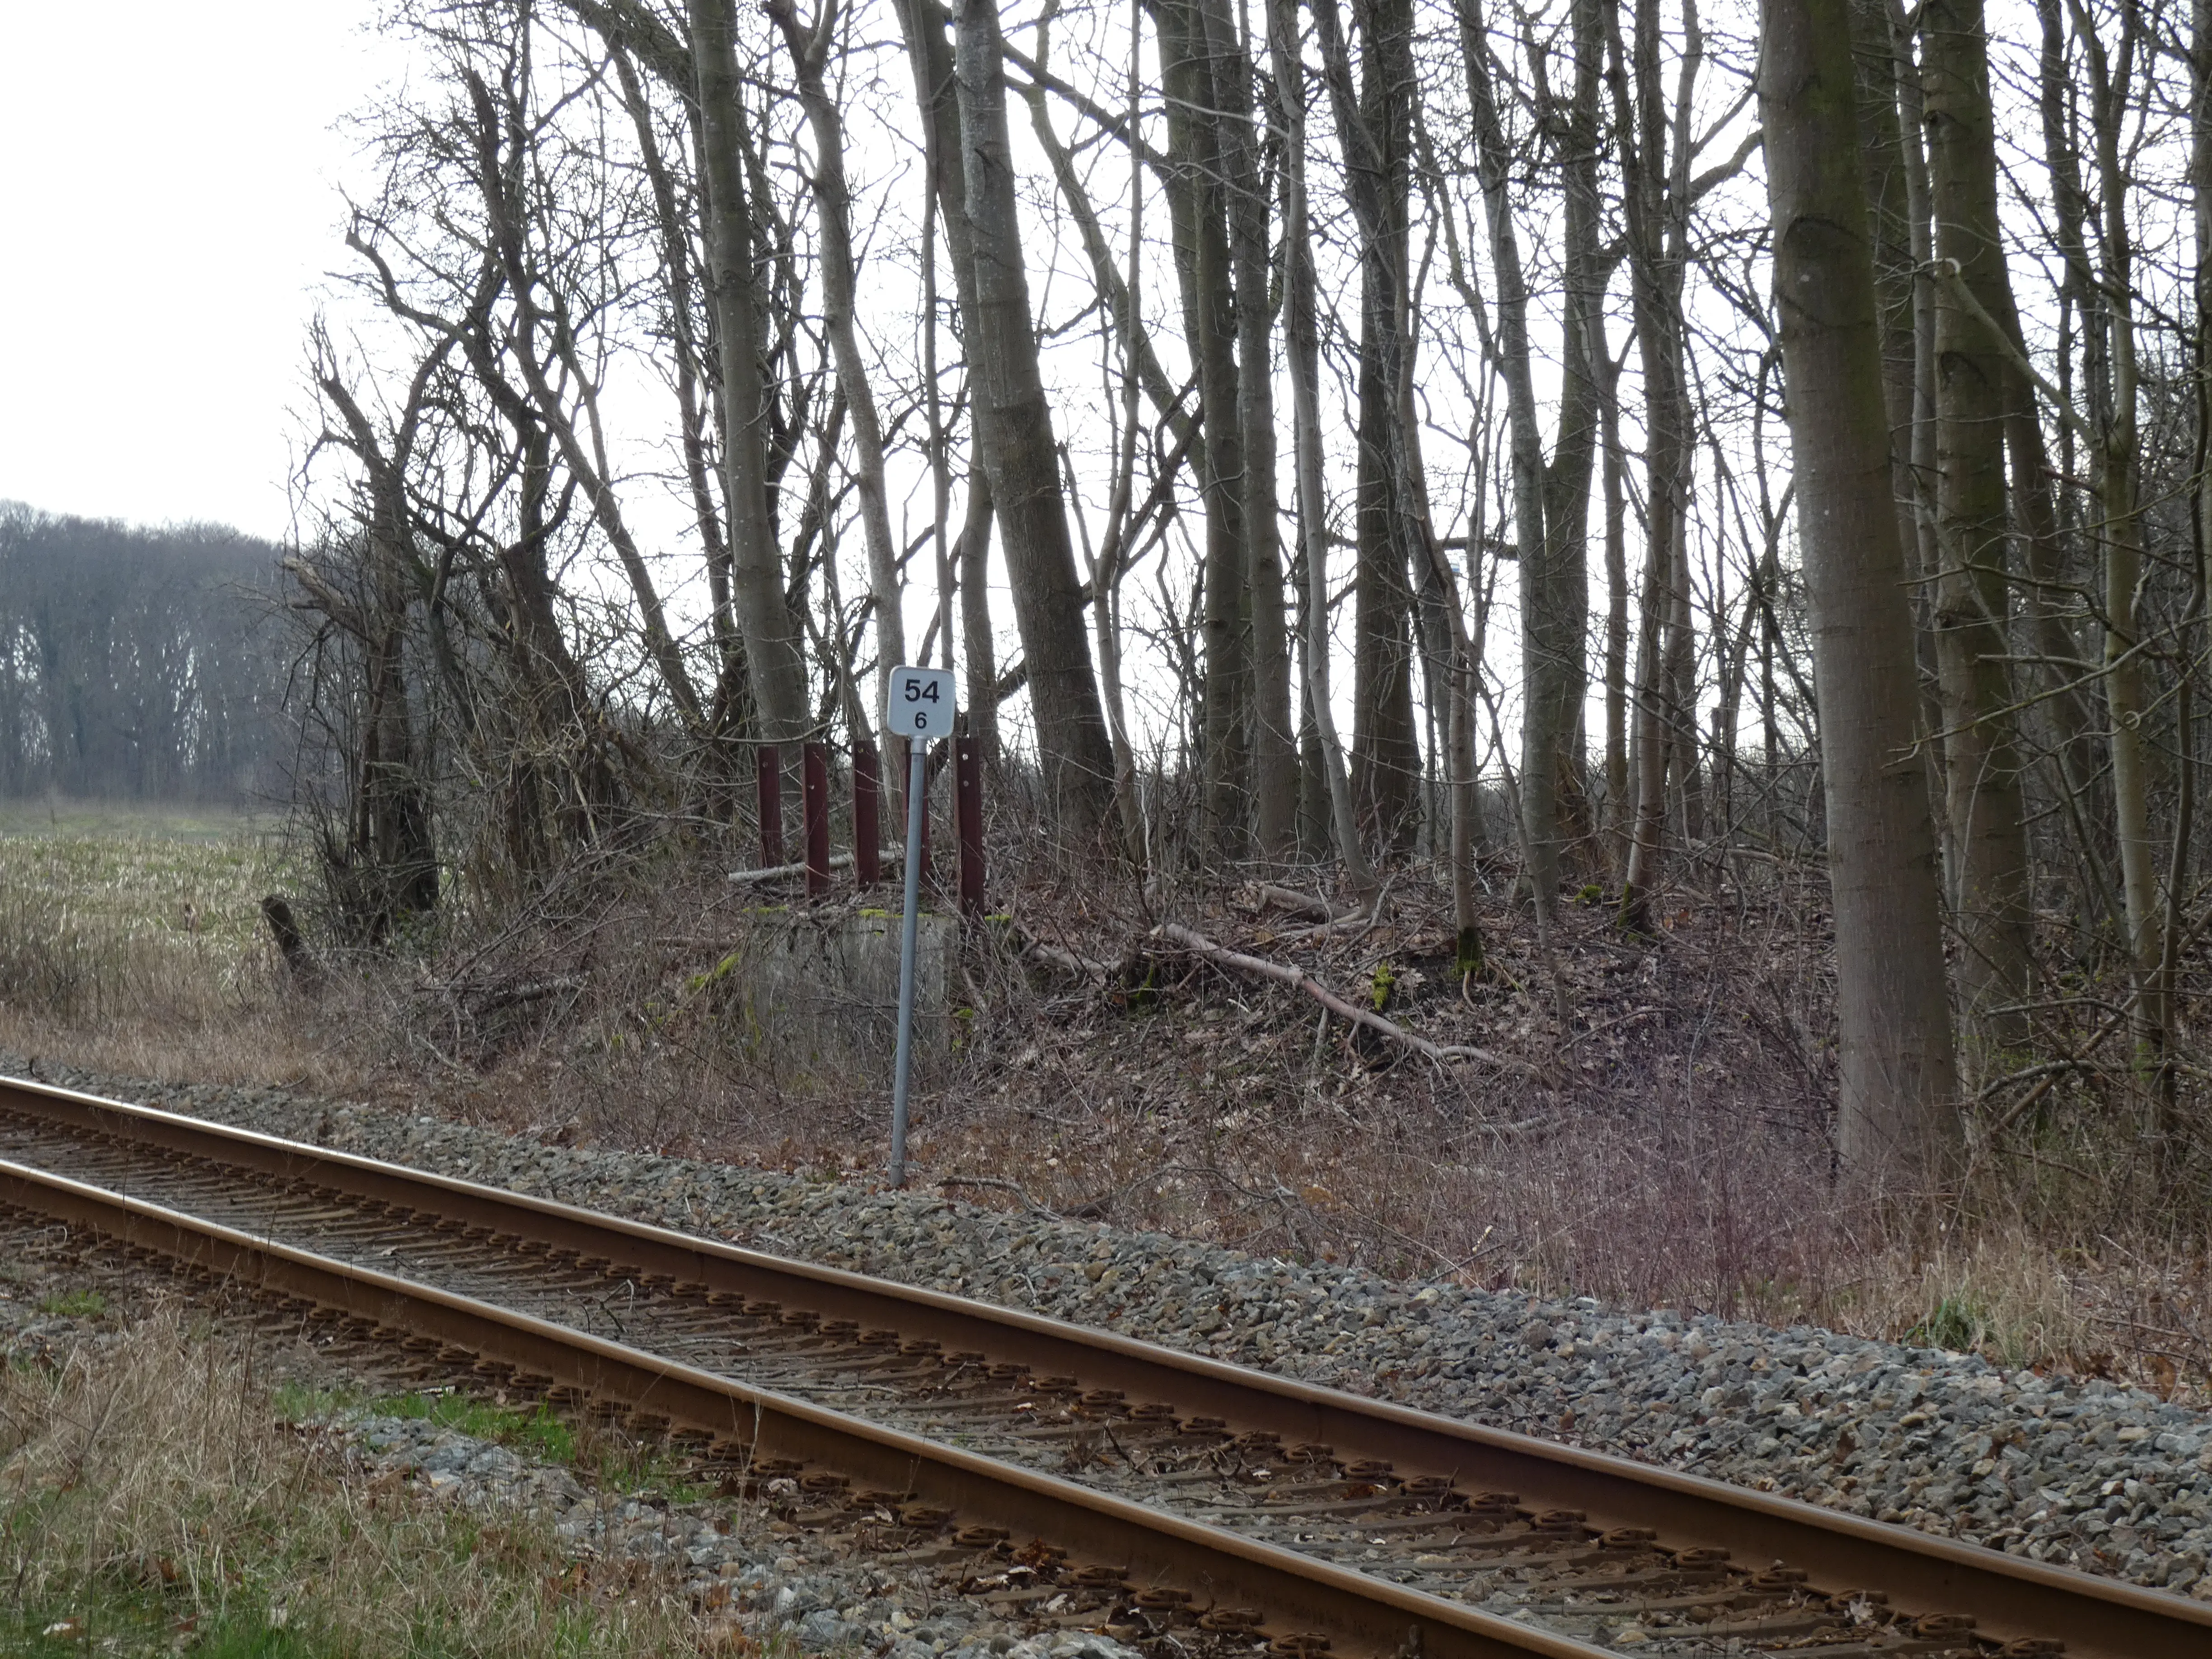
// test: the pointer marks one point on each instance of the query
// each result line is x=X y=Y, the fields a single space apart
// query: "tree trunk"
x=1302 y=352
x=1199 y=205
x=1014 y=430
x=2171 y=1125
x=1586 y=392
x=1373 y=122
x=810 y=52
x=1897 y=1122
x=2063 y=711
x=1890 y=200
x=394 y=799
x=729 y=702
x=2119 y=480
x=977 y=644
x=387 y=872
x=772 y=634
x=1617 y=799
x=1919 y=445
x=1551 y=644
x=1274 y=759
x=1982 y=815
x=1654 y=211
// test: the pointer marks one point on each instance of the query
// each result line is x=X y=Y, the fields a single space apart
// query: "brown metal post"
x=771 y=806
x=968 y=815
x=867 y=798
x=816 y=774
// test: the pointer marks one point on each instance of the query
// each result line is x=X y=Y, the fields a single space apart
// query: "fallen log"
x=533 y=990
x=1283 y=974
x=1304 y=904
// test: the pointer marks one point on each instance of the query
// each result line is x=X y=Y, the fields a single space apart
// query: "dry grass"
x=151 y=1500
x=1672 y=1150
x=132 y=940
x=144 y=919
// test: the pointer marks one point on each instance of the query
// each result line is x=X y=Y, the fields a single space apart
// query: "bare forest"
x=139 y=665
x=1585 y=621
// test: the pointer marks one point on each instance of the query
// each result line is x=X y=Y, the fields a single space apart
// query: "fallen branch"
x=890 y=855
x=529 y=991
x=1302 y=904
x=1356 y=921
x=1283 y=974
x=1053 y=956
x=997 y=1185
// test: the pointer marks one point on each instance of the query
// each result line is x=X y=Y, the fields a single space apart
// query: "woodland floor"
x=1649 y=1127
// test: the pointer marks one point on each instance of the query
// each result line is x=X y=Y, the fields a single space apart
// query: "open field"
x=65 y=818
x=138 y=930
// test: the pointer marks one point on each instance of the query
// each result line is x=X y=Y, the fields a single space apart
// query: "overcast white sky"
x=169 y=205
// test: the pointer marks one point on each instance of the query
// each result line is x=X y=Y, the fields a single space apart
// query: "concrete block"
x=822 y=990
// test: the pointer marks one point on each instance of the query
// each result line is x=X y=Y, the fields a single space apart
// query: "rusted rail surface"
x=1937 y=1586
x=1367 y=1614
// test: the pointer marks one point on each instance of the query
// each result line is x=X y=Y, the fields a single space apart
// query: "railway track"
x=1167 y=1493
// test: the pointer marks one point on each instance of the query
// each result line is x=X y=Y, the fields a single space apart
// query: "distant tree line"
x=137 y=664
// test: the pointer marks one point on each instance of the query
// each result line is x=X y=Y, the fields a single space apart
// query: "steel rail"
x=2006 y=1596
x=1369 y=1614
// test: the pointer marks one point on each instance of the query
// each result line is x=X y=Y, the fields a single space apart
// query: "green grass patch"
x=536 y=1429
x=73 y=1305
x=117 y=1619
x=158 y=1504
x=631 y=1467
x=1964 y=1324
x=1955 y=1322
x=262 y=1618
x=296 y=1402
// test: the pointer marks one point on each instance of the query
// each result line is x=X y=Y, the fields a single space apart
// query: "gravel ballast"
x=744 y=1571
x=731 y=1567
x=2079 y=1473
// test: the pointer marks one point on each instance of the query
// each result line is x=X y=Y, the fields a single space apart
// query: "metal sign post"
x=921 y=711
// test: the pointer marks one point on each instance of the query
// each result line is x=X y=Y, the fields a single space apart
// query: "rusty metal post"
x=867 y=811
x=771 y=804
x=968 y=815
x=816 y=774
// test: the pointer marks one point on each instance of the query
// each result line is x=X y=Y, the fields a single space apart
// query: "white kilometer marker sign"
x=919 y=710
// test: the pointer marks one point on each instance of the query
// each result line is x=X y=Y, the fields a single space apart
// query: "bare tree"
x=809 y=50
x=1013 y=435
x=772 y=635
x=1985 y=838
x=1896 y=1116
